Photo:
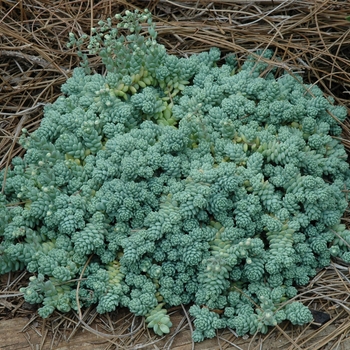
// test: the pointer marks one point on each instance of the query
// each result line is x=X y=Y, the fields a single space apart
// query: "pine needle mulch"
x=312 y=37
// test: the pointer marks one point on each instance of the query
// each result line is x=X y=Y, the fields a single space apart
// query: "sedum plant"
x=168 y=181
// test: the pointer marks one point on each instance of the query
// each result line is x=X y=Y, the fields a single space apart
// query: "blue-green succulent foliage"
x=184 y=181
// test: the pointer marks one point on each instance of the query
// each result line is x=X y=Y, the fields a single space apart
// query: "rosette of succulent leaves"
x=180 y=181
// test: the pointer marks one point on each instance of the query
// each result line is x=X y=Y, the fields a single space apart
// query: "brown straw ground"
x=311 y=36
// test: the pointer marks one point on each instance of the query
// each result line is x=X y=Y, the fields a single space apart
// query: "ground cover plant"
x=171 y=181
